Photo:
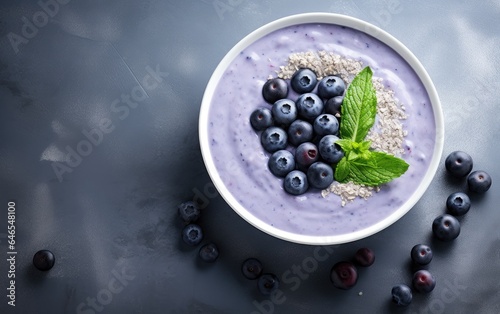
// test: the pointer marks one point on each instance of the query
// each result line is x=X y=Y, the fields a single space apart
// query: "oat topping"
x=349 y=191
x=323 y=64
x=387 y=134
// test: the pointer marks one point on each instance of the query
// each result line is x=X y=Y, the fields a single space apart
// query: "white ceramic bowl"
x=323 y=239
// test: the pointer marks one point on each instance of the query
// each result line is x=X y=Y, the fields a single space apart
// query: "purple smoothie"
x=242 y=163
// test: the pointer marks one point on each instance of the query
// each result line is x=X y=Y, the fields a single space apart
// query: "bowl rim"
x=362 y=26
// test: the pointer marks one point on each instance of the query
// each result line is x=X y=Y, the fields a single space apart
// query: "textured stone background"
x=110 y=218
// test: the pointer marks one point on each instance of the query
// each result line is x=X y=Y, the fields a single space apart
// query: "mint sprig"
x=359 y=164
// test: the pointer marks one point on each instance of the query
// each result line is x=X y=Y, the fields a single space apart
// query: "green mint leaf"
x=359 y=108
x=361 y=149
x=378 y=169
x=342 y=170
x=364 y=146
x=352 y=155
x=353 y=150
x=345 y=144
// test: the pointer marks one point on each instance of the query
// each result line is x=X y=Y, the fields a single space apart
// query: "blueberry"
x=261 y=119
x=329 y=150
x=320 y=175
x=284 y=111
x=421 y=254
x=326 y=124
x=331 y=86
x=479 y=181
x=189 y=211
x=268 y=283
x=209 y=252
x=296 y=182
x=299 y=132
x=281 y=163
x=446 y=227
x=344 y=275
x=303 y=81
x=458 y=203
x=192 y=234
x=364 y=257
x=401 y=295
x=274 y=89
x=273 y=139
x=458 y=163
x=309 y=106
x=251 y=268
x=423 y=281
x=306 y=154
x=333 y=106
x=44 y=260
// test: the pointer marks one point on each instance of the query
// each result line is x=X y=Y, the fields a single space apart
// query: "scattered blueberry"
x=458 y=163
x=331 y=86
x=192 y=234
x=209 y=252
x=303 y=81
x=268 y=283
x=309 y=106
x=344 y=275
x=44 y=260
x=261 y=119
x=284 y=112
x=446 y=227
x=189 y=211
x=274 y=89
x=306 y=154
x=423 y=281
x=251 y=268
x=296 y=182
x=300 y=132
x=364 y=257
x=273 y=139
x=458 y=203
x=333 y=106
x=326 y=124
x=421 y=254
x=329 y=150
x=320 y=175
x=401 y=295
x=479 y=181
x=281 y=163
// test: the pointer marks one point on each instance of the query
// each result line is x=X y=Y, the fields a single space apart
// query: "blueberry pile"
x=301 y=134
x=459 y=164
x=422 y=281
x=192 y=234
x=344 y=274
x=445 y=227
x=267 y=283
